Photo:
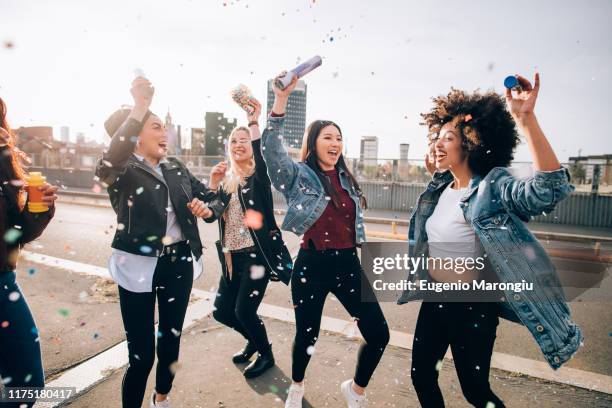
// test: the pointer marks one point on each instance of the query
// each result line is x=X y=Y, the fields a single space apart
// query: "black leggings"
x=20 y=357
x=317 y=273
x=172 y=283
x=237 y=300
x=469 y=329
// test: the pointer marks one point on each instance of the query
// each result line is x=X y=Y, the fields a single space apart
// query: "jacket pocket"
x=495 y=221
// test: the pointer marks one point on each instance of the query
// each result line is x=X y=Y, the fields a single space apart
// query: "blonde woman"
x=251 y=249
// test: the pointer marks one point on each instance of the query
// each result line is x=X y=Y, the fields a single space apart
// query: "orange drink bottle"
x=35 y=205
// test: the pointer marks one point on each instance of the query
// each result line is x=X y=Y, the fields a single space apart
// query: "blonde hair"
x=234 y=178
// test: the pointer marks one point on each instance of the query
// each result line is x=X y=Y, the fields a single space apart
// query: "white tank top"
x=448 y=233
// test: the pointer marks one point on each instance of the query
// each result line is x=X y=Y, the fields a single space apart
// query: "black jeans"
x=315 y=275
x=20 y=357
x=469 y=329
x=238 y=300
x=172 y=283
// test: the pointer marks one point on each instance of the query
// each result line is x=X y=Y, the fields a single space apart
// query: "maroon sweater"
x=335 y=228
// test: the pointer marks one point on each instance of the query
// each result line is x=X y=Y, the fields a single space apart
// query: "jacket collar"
x=440 y=180
x=472 y=187
x=141 y=163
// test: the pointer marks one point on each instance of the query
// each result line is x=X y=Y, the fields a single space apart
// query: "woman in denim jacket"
x=325 y=204
x=474 y=201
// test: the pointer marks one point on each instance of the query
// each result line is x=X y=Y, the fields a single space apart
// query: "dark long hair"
x=309 y=156
x=11 y=169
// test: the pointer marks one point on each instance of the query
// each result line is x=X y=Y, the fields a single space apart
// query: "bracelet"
x=254 y=122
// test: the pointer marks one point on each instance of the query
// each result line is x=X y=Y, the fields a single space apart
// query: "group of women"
x=156 y=253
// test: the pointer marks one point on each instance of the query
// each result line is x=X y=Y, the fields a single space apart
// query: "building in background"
x=65 y=134
x=174 y=136
x=295 y=117
x=582 y=168
x=404 y=147
x=197 y=141
x=368 y=152
x=218 y=129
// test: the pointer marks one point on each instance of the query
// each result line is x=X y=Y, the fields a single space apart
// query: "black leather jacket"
x=256 y=194
x=139 y=195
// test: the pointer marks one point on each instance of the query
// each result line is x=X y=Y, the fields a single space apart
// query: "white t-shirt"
x=135 y=272
x=448 y=233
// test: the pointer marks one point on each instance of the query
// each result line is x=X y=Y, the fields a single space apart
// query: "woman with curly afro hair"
x=474 y=208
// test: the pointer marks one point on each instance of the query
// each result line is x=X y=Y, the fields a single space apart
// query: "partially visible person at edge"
x=325 y=205
x=156 y=248
x=475 y=207
x=20 y=355
x=251 y=248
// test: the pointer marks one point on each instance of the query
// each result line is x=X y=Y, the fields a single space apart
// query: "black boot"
x=244 y=355
x=260 y=365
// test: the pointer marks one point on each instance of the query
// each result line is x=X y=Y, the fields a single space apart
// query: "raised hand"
x=142 y=91
x=522 y=103
x=284 y=93
x=254 y=117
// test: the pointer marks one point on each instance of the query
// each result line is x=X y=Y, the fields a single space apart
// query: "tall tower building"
x=295 y=117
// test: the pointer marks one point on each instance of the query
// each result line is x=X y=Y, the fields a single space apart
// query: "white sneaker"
x=159 y=404
x=294 y=396
x=353 y=400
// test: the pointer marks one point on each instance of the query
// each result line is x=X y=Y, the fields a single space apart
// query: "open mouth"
x=163 y=145
x=333 y=153
x=440 y=156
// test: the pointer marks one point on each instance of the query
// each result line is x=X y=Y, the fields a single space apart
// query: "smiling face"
x=240 y=148
x=328 y=147
x=153 y=139
x=448 y=148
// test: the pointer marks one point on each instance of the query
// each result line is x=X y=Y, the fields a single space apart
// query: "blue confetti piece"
x=31 y=271
x=145 y=249
x=96 y=336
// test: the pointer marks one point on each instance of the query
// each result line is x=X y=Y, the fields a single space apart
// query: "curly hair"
x=487 y=130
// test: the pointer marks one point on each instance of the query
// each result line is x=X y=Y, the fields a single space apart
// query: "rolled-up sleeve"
x=537 y=194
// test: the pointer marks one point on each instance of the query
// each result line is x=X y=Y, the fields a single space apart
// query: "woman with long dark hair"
x=325 y=205
x=251 y=248
x=475 y=208
x=20 y=356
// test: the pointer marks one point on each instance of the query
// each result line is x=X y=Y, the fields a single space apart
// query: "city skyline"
x=382 y=62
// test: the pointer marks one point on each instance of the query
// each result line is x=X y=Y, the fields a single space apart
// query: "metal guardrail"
x=542 y=235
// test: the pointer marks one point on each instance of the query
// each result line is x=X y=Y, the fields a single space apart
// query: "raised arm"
x=113 y=163
x=550 y=183
x=281 y=168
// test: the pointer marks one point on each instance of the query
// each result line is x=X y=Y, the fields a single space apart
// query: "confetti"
x=12 y=235
x=31 y=271
x=14 y=296
x=5 y=324
x=253 y=219
x=63 y=312
x=310 y=350
x=257 y=272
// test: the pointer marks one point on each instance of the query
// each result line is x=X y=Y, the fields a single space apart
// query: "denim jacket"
x=497 y=207
x=300 y=185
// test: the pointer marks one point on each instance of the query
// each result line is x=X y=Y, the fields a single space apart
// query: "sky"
x=70 y=63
